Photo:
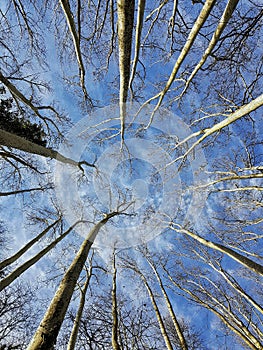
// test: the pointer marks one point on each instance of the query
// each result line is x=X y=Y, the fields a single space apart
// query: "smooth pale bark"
x=76 y=40
x=237 y=327
x=75 y=329
x=229 y=314
x=250 y=264
x=138 y=33
x=26 y=247
x=125 y=11
x=235 y=177
x=226 y=316
x=235 y=285
x=172 y=19
x=14 y=141
x=249 y=339
x=176 y=324
x=115 y=321
x=46 y=335
x=207 y=8
x=230 y=7
x=241 y=112
x=157 y=312
x=18 y=271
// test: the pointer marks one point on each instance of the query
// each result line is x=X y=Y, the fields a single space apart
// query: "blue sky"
x=138 y=172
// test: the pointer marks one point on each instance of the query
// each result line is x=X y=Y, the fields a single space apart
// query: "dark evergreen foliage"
x=13 y=122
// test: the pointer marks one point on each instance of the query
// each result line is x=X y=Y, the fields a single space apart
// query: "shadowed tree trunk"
x=125 y=28
x=14 y=141
x=115 y=321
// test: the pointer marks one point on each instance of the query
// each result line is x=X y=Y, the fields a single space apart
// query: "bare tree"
x=115 y=321
x=47 y=332
x=83 y=290
x=12 y=276
x=201 y=60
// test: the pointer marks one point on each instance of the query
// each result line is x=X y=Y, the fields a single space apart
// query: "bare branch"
x=140 y=15
x=76 y=40
x=230 y=7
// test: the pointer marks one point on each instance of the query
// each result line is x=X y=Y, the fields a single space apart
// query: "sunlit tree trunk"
x=157 y=312
x=19 y=270
x=250 y=264
x=210 y=301
x=76 y=40
x=176 y=324
x=231 y=5
x=26 y=247
x=235 y=285
x=83 y=292
x=207 y=8
x=47 y=332
x=139 y=25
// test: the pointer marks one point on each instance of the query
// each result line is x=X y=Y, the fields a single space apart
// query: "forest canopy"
x=131 y=174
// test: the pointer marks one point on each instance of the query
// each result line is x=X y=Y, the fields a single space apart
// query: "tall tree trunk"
x=176 y=324
x=231 y=118
x=11 y=140
x=252 y=265
x=26 y=247
x=125 y=9
x=230 y=7
x=233 y=323
x=207 y=8
x=139 y=25
x=18 y=271
x=76 y=41
x=157 y=312
x=17 y=94
x=75 y=329
x=224 y=314
x=115 y=321
x=233 y=283
x=46 y=335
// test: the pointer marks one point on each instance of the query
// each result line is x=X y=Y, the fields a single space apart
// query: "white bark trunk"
x=176 y=324
x=231 y=5
x=75 y=329
x=18 y=271
x=26 y=247
x=250 y=264
x=157 y=312
x=47 y=332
